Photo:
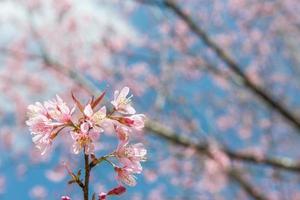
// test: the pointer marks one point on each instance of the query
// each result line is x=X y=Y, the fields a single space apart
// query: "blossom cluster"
x=47 y=120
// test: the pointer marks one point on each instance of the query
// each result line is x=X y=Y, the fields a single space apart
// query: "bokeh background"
x=218 y=81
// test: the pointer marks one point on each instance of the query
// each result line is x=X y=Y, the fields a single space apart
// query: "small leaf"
x=79 y=173
x=92 y=99
x=98 y=100
x=74 y=177
x=79 y=105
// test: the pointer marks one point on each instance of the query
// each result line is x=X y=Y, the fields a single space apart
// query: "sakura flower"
x=125 y=175
x=58 y=110
x=122 y=133
x=97 y=118
x=47 y=120
x=40 y=126
x=122 y=103
x=131 y=156
x=85 y=138
x=36 y=110
x=42 y=142
x=43 y=119
x=135 y=121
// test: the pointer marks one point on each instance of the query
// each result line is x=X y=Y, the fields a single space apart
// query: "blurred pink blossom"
x=38 y=192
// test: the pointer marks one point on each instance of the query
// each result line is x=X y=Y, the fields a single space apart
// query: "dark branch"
x=203 y=148
x=232 y=64
x=246 y=185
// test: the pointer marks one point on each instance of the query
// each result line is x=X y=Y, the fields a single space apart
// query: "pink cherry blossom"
x=125 y=175
x=36 y=110
x=85 y=138
x=138 y=121
x=40 y=126
x=42 y=142
x=58 y=110
x=47 y=120
x=122 y=103
x=96 y=119
x=122 y=133
x=131 y=156
x=43 y=119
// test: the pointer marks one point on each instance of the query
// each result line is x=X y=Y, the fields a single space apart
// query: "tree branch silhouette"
x=234 y=66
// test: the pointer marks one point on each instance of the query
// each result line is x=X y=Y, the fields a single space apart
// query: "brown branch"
x=232 y=64
x=204 y=150
x=246 y=185
x=281 y=163
x=72 y=74
x=80 y=184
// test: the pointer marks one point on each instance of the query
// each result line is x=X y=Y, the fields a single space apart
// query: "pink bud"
x=65 y=198
x=102 y=196
x=127 y=121
x=117 y=191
